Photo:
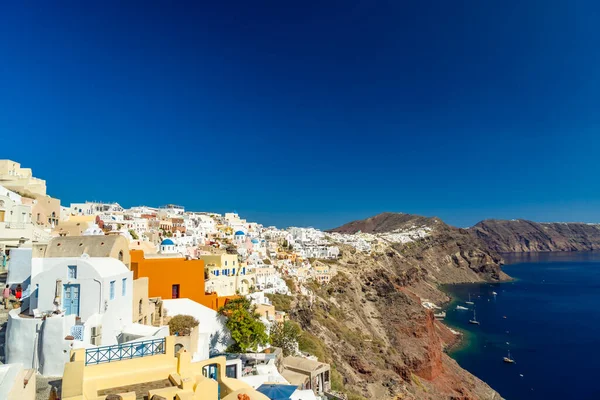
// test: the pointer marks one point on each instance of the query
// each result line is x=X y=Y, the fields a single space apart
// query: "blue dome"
x=167 y=242
x=254 y=241
x=239 y=233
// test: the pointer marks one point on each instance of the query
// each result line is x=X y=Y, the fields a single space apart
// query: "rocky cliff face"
x=378 y=335
x=528 y=236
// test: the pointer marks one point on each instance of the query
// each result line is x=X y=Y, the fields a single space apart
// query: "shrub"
x=285 y=335
x=182 y=325
x=247 y=331
x=281 y=302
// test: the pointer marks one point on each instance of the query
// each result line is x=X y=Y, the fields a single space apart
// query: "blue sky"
x=309 y=113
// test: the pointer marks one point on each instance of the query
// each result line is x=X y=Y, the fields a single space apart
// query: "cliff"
x=527 y=236
x=370 y=319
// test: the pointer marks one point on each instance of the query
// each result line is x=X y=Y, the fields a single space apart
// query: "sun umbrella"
x=277 y=392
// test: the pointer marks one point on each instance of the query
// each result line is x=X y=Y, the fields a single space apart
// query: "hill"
x=528 y=236
x=370 y=323
x=385 y=222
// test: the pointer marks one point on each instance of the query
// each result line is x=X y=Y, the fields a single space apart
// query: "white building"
x=16 y=225
x=213 y=335
x=93 y=208
x=167 y=246
x=70 y=302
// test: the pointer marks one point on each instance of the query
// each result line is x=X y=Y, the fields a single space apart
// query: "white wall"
x=94 y=294
x=213 y=335
x=38 y=343
x=19 y=265
x=54 y=350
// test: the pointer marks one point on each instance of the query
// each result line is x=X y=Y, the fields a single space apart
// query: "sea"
x=549 y=320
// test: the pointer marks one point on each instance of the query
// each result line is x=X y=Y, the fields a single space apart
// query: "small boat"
x=469 y=302
x=504 y=317
x=461 y=308
x=509 y=360
x=440 y=315
x=494 y=293
x=474 y=320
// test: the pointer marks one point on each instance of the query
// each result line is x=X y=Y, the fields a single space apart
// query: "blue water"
x=552 y=326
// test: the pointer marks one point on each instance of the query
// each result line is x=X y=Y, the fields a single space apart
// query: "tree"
x=182 y=325
x=247 y=331
x=134 y=235
x=285 y=335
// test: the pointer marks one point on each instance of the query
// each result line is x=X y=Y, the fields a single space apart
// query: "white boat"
x=474 y=320
x=461 y=308
x=469 y=302
x=440 y=315
x=508 y=359
x=494 y=293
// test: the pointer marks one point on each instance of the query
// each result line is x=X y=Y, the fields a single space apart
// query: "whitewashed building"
x=70 y=302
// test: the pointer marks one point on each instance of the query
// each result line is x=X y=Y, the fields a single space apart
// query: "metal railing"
x=119 y=352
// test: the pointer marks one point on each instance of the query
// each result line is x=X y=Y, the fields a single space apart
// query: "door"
x=71 y=302
x=175 y=292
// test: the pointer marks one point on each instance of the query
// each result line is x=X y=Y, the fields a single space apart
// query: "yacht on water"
x=474 y=320
x=469 y=302
x=461 y=308
x=508 y=359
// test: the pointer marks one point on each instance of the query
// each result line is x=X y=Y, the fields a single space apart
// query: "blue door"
x=71 y=301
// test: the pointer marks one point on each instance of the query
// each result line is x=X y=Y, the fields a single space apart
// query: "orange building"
x=175 y=277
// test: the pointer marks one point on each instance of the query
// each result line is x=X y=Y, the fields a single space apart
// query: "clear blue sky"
x=309 y=113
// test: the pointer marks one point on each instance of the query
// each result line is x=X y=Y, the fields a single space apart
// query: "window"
x=175 y=291
x=233 y=271
x=217 y=272
x=231 y=371
x=234 y=263
x=140 y=307
x=124 y=287
x=72 y=272
x=121 y=256
x=112 y=290
x=225 y=262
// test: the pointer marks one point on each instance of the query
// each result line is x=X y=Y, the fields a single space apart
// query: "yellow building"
x=75 y=225
x=17 y=383
x=224 y=275
x=149 y=368
x=21 y=180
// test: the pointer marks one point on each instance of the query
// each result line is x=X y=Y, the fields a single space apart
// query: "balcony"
x=105 y=354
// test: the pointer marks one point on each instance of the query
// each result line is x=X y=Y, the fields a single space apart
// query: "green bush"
x=285 y=335
x=247 y=331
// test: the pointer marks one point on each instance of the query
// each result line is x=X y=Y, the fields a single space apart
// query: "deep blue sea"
x=552 y=327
